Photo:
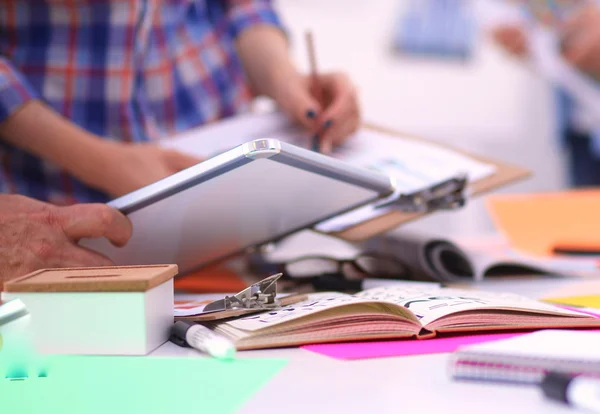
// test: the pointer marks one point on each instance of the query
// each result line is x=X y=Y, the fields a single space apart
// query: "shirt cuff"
x=243 y=14
x=15 y=91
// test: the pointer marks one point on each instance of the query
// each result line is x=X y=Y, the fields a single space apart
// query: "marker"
x=203 y=339
x=578 y=392
x=576 y=249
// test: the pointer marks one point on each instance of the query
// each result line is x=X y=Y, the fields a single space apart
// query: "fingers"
x=342 y=112
x=512 y=39
x=582 y=49
x=77 y=256
x=177 y=161
x=301 y=104
x=580 y=52
x=581 y=39
x=339 y=132
x=95 y=220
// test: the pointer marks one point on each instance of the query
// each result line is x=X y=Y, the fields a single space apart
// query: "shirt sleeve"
x=243 y=14
x=15 y=91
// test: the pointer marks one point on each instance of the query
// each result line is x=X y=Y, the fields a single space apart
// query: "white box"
x=98 y=311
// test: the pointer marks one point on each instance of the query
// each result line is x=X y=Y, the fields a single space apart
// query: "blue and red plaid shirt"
x=128 y=70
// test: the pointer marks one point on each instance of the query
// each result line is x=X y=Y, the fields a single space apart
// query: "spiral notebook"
x=526 y=359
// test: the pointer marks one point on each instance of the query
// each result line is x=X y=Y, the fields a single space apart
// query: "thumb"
x=177 y=161
x=301 y=106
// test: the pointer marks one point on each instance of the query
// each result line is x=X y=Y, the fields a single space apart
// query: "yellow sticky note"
x=590 y=301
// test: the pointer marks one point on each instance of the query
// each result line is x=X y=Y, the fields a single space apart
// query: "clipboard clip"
x=261 y=295
x=445 y=195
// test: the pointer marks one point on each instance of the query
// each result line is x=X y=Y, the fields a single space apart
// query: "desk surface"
x=315 y=383
x=312 y=383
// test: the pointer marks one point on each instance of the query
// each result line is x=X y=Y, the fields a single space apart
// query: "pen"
x=575 y=249
x=579 y=392
x=203 y=339
x=315 y=85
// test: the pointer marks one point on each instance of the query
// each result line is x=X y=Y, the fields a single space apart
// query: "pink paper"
x=403 y=347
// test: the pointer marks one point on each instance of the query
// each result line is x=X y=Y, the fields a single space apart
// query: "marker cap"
x=555 y=386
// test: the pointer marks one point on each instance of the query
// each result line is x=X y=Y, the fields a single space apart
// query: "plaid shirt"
x=128 y=70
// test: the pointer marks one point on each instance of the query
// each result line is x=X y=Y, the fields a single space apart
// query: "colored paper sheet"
x=382 y=349
x=589 y=301
x=144 y=385
x=211 y=279
x=536 y=223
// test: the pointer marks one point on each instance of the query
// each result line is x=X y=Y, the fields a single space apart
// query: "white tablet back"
x=253 y=194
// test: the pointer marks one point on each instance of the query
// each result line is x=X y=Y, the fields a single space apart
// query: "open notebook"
x=394 y=312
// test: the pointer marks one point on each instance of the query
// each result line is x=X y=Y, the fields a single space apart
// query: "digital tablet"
x=248 y=196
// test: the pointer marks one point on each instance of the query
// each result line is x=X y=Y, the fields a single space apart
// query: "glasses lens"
x=381 y=266
x=311 y=267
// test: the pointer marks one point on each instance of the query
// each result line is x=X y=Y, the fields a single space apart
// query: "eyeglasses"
x=321 y=273
x=364 y=265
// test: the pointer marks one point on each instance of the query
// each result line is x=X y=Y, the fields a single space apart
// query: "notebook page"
x=414 y=164
x=547 y=344
x=431 y=304
x=316 y=303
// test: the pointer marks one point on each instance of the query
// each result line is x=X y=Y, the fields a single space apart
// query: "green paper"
x=145 y=385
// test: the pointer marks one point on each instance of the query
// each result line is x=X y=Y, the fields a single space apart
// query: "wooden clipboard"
x=505 y=174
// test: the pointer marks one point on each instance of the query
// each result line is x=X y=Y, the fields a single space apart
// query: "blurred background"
x=466 y=91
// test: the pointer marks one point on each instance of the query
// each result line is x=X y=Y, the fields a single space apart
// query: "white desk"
x=312 y=383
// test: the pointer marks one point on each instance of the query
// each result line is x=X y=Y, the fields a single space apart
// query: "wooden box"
x=121 y=310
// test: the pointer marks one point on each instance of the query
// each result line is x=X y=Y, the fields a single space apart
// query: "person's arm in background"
x=581 y=40
x=580 y=44
x=263 y=49
x=113 y=167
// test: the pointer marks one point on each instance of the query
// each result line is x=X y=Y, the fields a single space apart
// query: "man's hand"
x=581 y=40
x=335 y=117
x=36 y=235
x=128 y=167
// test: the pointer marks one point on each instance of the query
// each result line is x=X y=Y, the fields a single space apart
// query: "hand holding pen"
x=334 y=111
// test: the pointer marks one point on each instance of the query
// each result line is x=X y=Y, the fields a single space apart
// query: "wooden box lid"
x=94 y=279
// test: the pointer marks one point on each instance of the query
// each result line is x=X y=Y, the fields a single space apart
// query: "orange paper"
x=212 y=279
x=537 y=223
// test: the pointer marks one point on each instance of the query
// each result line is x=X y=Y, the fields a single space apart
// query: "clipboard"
x=275 y=124
x=505 y=173
x=258 y=297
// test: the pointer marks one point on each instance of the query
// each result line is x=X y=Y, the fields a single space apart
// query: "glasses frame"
x=282 y=267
